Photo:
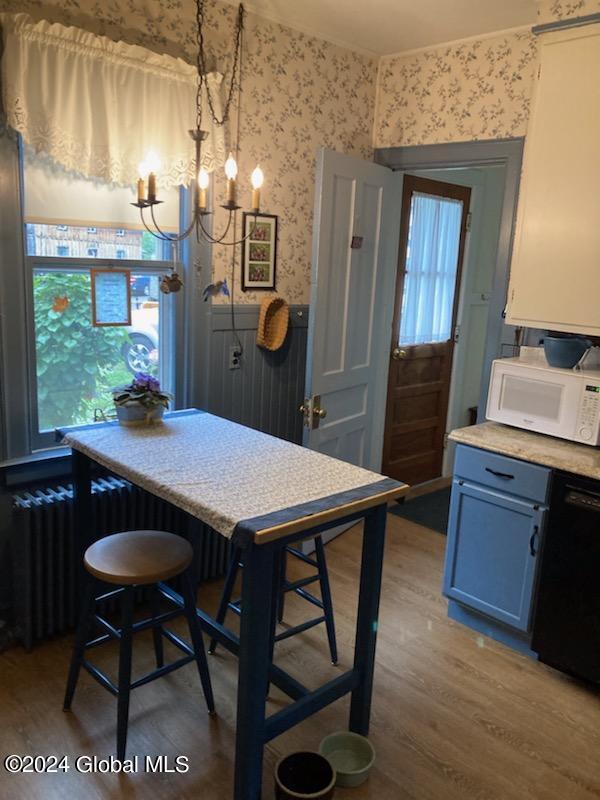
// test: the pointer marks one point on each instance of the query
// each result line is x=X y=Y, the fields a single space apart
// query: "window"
x=431 y=265
x=74 y=365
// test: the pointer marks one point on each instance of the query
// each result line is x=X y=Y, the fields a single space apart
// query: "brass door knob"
x=304 y=409
x=398 y=353
x=321 y=413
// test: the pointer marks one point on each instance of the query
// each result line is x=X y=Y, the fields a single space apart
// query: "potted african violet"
x=140 y=402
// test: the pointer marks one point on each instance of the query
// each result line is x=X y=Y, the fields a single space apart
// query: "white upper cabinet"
x=555 y=271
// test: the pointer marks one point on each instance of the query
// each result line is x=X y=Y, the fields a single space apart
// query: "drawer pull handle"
x=504 y=475
x=534 y=535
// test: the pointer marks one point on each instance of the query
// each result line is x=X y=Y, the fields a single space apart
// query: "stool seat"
x=138 y=557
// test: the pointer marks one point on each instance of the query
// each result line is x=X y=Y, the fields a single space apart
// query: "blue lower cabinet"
x=492 y=553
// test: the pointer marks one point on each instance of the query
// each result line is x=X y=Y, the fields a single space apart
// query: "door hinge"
x=469 y=220
x=446 y=439
x=456 y=333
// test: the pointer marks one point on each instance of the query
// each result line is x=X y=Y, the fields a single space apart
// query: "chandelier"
x=148 y=200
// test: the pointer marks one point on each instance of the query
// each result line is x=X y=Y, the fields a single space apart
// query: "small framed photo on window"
x=111 y=297
x=259 y=252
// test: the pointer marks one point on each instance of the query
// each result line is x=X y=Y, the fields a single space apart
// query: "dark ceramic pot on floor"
x=304 y=776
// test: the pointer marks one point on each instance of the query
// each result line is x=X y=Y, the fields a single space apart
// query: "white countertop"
x=579 y=459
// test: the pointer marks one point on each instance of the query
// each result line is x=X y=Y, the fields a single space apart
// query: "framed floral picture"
x=259 y=252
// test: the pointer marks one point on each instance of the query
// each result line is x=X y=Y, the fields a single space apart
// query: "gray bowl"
x=564 y=352
x=351 y=756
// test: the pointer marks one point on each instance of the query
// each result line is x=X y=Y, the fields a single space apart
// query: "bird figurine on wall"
x=213 y=289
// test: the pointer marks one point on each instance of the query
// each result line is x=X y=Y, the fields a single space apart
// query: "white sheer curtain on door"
x=431 y=264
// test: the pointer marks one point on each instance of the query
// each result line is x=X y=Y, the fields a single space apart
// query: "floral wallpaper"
x=299 y=94
x=552 y=10
x=477 y=89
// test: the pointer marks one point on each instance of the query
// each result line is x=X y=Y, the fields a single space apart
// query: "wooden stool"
x=298 y=587
x=130 y=559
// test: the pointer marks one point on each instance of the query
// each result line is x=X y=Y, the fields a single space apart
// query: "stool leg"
x=189 y=599
x=83 y=628
x=157 y=630
x=326 y=597
x=232 y=572
x=124 y=670
x=282 y=580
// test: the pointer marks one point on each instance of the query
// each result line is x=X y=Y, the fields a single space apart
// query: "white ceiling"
x=391 y=26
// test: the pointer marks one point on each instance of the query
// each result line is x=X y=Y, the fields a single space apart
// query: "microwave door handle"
x=507 y=476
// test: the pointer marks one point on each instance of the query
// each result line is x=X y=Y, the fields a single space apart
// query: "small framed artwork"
x=259 y=252
x=111 y=297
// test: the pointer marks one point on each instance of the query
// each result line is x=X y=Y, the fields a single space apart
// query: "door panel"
x=491 y=557
x=354 y=271
x=429 y=267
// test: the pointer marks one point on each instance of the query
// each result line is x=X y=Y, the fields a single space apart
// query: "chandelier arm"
x=220 y=239
x=246 y=237
x=236 y=241
x=163 y=237
x=172 y=237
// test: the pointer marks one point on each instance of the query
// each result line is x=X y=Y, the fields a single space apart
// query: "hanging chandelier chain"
x=199 y=210
x=202 y=71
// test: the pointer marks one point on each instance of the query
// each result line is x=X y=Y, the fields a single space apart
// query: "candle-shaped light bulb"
x=152 y=165
x=152 y=161
x=203 y=181
x=257 y=178
x=231 y=173
x=231 y=168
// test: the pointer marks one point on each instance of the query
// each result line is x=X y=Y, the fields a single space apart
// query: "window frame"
x=42 y=440
x=189 y=324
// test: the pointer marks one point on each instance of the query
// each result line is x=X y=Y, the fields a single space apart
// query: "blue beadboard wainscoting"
x=267 y=389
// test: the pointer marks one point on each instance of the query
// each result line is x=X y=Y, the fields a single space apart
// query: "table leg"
x=84 y=529
x=366 y=623
x=254 y=657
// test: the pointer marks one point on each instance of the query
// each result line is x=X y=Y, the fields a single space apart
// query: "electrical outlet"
x=234 y=357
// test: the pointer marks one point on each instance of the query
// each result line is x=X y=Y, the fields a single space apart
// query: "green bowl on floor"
x=350 y=754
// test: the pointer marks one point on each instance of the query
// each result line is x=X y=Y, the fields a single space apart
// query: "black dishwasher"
x=566 y=630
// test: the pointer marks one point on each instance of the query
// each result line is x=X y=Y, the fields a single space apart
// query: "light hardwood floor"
x=455 y=716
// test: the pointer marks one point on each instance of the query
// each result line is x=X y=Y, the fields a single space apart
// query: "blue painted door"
x=491 y=557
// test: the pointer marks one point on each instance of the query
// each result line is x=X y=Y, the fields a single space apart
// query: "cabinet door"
x=493 y=542
x=555 y=275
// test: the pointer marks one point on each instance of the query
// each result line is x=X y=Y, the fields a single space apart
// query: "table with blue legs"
x=264 y=494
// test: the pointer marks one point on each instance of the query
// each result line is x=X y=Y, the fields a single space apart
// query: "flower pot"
x=136 y=414
x=300 y=776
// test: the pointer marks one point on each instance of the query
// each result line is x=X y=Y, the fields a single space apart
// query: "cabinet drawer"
x=503 y=473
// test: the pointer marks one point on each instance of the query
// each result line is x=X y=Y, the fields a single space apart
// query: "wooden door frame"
x=437 y=189
x=504 y=152
x=441 y=189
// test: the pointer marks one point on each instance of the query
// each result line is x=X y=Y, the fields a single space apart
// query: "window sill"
x=42 y=465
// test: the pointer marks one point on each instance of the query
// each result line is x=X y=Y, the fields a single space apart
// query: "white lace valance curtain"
x=97 y=106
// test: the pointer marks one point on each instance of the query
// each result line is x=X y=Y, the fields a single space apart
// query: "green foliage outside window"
x=77 y=363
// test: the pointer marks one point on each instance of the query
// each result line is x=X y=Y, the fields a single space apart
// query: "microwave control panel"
x=589 y=413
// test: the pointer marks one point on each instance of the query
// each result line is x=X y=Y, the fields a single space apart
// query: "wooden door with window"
x=433 y=227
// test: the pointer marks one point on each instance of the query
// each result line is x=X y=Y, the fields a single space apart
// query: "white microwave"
x=528 y=393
